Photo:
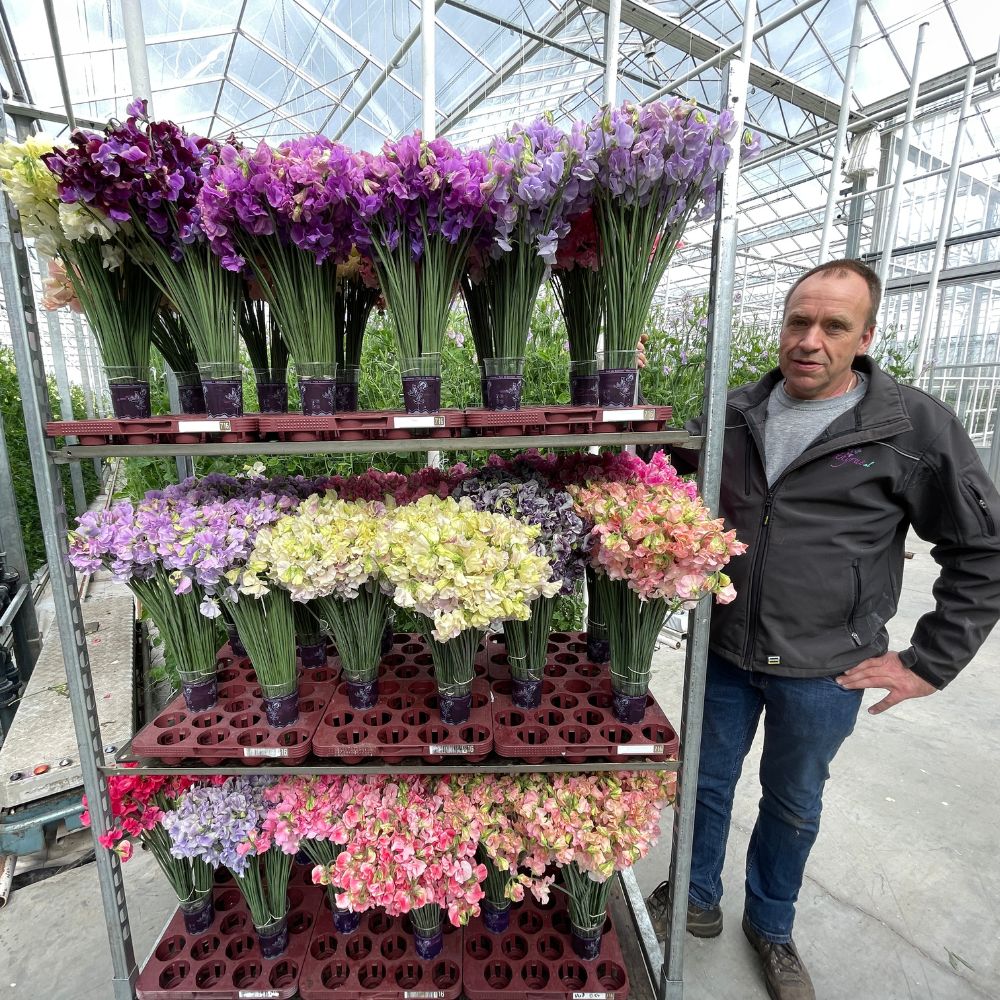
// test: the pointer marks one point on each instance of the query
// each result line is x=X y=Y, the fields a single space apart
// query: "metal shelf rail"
x=664 y=970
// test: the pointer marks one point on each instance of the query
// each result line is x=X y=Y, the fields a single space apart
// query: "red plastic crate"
x=575 y=721
x=378 y=960
x=363 y=425
x=568 y=420
x=236 y=729
x=158 y=430
x=535 y=958
x=224 y=962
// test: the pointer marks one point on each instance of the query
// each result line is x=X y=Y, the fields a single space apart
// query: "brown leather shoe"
x=784 y=974
x=700 y=923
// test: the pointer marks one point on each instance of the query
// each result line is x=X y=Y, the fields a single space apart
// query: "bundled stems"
x=266 y=892
x=527 y=642
x=426 y=918
x=267 y=629
x=633 y=628
x=497 y=882
x=579 y=295
x=454 y=660
x=171 y=339
x=354 y=304
x=479 y=309
x=191 y=638
x=357 y=626
x=588 y=900
x=120 y=304
x=306 y=615
x=262 y=338
x=190 y=878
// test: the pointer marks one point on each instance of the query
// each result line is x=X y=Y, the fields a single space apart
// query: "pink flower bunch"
x=580 y=247
x=396 y=489
x=658 y=539
x=602 y=822
x=308 y=808
x=404 y=851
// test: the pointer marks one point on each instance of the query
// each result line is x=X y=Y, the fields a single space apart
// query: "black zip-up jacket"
x=825 y=562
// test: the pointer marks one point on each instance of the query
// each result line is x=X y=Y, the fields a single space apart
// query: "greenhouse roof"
x=352 y=70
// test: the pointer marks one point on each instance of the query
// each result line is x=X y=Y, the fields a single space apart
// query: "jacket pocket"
x=855 y=604
x=985 y=514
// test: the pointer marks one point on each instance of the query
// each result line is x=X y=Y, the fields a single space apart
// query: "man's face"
x=822 y=332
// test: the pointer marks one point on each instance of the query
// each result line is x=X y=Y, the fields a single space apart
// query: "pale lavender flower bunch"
x=219 y=486
x=219 y=824
x=524 y=495
x=533 y=166
x=303 y=192
x=118 y=539
x=414 y=190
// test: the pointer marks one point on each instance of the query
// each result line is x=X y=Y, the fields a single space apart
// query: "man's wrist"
x=908 y=657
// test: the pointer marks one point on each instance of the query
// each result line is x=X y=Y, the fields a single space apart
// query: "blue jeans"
x=805 y=722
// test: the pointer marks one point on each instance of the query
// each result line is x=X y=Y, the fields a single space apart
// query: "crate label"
x=444 y=749
x=620 y=416
x=192 y=426
x=357 y=750
x=593 y=996
x=264 y=994
x=423 y=994
x=640 y=748
x=265 y=752
x=430 y=420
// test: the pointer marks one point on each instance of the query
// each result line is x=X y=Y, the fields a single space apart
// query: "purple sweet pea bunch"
x=523 y=494
x=140 y=171
x=301 y=192
x=219 y=824
x=220 y=487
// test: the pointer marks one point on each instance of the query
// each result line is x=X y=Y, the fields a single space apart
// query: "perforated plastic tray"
x=189 y=429
x=534 y=958
x=378 y=961
x=405 y=722
x=568 y=420
x=575 y=721
x=224 y=962
x=236 y=728
x=363 y=425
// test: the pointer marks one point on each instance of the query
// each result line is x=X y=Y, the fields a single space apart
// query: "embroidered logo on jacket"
x=850 y=457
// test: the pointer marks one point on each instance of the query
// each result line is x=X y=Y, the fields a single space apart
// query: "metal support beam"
x=83 y=361
x=50 y=17
x=892 y=223
x=184 y=463
x=612 y=33
x=838 y=144
x=428 y=65
x=944 y=228
x=404 y=47
x=135 y=49
x=17 y=109
x=735 y=83
x=16 y=276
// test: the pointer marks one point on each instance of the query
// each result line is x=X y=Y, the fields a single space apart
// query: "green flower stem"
x=267 y=627
x=426 y=918
x=357 y=626
x=189 y=878
x=454 y=660
x=355 y=301
x=633 y=628
x=581 y=302
x=497 y=881
x=192 y=638
x=265 y=886
x=588 y=900
x=527 y=642
x=171 y=339
x=262 y=337
x=307 y=619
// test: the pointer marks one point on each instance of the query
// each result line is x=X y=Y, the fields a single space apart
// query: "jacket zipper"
x=755 y=569
x=856 y=604
x=984 y=508
x=746 y=469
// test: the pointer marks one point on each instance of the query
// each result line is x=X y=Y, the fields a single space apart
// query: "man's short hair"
x=841 y=268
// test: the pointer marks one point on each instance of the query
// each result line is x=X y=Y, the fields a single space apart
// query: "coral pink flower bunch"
x=404 y=852
x=658 y=539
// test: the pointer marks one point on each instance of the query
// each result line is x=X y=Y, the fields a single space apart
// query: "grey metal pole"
x=428 y=88
x=842 y=120
x=855 y=216
x=185 y=463
x=724 y=243
x=65 y=402
x=101 y=392
x=16 y=275
x=944 y=229
x=135 y=49
x=83 y=361
x=892 y=224
x=50 y=17
x=612 y=35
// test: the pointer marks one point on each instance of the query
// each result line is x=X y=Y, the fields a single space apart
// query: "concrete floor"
x=901 y=898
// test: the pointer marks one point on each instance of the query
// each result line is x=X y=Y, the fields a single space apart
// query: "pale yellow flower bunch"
x=32 y=189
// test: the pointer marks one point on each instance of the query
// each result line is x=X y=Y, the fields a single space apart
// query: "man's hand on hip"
x=886 y=672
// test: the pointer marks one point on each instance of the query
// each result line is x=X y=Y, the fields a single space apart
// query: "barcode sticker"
x=640 y=748
x=264 y=994
x=192 y=426
x=620 y=416
x=593 y=996
x=445 y=749
x=423 y=994
x=431 y=420
x=265 y=751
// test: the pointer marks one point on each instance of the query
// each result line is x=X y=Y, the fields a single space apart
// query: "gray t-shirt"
x=793 y=424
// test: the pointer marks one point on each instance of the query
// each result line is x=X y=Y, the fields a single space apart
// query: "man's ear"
x=866 y=341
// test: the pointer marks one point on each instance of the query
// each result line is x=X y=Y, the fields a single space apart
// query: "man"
x=827 y=463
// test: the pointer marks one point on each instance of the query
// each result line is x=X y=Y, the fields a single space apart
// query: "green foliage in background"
x=19 y=456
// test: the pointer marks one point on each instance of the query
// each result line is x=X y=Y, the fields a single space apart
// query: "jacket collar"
x=882 y=404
